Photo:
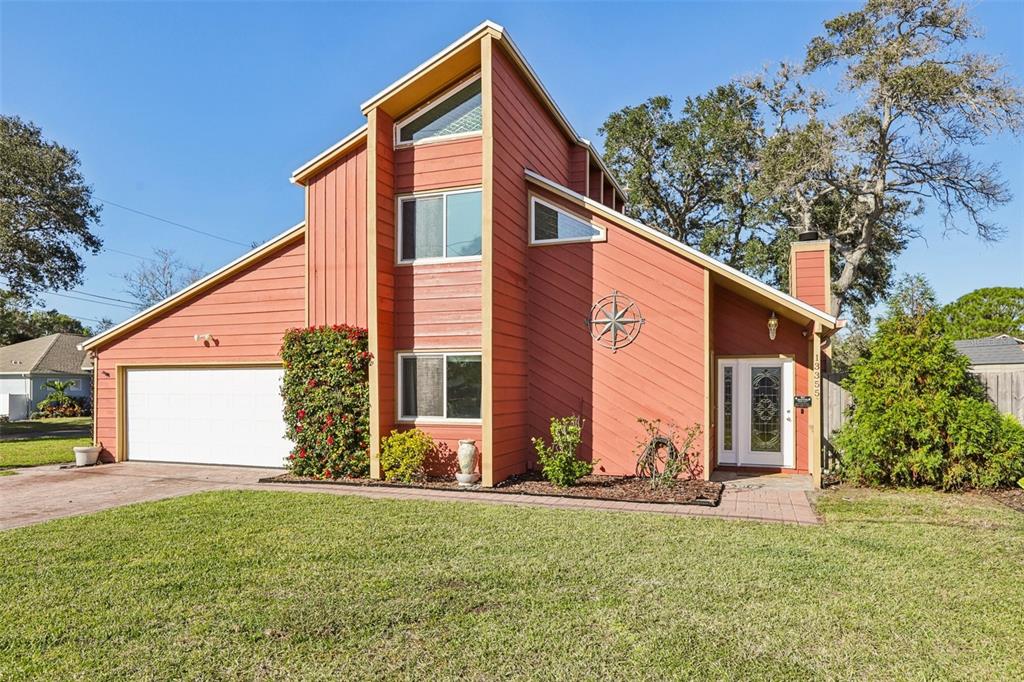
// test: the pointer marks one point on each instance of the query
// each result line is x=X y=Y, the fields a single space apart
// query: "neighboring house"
x=26 y=367
x=998 y=362
x=482 y=242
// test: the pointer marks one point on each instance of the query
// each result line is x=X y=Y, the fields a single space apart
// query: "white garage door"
x=206 y=416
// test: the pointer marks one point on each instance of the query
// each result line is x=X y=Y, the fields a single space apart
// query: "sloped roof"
x=53 y=354
x=741 y=279
x=995 y=350
x=197 y=287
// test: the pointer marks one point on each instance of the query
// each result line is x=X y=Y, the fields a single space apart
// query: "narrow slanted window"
x=459 y=113
x=440 y=226
x=550 y=224
x=442 y=386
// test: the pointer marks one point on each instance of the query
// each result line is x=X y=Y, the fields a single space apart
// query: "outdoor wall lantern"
x=205 y=338
x=773 y=326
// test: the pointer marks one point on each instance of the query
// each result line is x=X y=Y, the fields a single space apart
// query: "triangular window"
x=458 y=113
x=552 y=224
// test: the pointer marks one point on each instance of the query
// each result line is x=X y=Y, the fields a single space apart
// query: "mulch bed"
x=1011 y=497
x=617 y=488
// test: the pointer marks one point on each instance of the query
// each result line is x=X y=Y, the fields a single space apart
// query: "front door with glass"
x=755 y=412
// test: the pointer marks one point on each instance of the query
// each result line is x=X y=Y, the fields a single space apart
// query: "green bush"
x=403 y=453
x=558 y=461
x=59 y=404
x=920 y=418
x=327 y=400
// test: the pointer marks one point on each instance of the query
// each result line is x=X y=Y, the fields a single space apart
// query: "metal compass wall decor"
x=615 y=321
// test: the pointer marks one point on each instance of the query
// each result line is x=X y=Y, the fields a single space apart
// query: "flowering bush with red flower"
x=326 y=394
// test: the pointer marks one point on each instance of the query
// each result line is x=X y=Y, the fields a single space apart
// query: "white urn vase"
x=468 y=455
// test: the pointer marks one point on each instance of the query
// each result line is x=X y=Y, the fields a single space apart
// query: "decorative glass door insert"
x=766 y=409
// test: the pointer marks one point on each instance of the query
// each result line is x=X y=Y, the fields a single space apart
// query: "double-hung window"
x=458 y=113
x=551 y=225
x=439 y=386
x=442 y=226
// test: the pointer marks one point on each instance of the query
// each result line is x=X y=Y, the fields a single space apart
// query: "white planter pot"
x=468 y=455
x=86 y=456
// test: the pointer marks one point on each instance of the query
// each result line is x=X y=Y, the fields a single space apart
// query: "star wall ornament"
x=615 y=321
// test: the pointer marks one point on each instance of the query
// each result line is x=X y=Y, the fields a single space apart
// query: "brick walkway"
x=44 y=493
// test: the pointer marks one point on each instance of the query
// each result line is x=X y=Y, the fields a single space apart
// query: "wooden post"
x=814 y=418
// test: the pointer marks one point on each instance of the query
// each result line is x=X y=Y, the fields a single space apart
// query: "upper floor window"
x=442 y=226
x=457 y=113
x=550 y=224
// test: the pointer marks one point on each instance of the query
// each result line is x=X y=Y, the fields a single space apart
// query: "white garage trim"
x=205 y=413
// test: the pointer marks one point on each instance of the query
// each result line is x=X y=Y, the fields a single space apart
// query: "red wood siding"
x=525 y=136
x=578 y=167
x=386 y=244
x=811 y=285
x=741 y=328
x=246 y=314
x=438 y=165
x=337 y=243
x=437 y=306
x=659 y=376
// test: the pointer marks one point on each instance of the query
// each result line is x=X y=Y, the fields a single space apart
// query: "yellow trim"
x=306 y=257
x=371 y=292
x=825 y=246
x=349 y=143
x=708 y=376
x=814 y=418
x=487 y=265
x=95 y=385
x=121 y=395
x=197 y=288
x=795 y=307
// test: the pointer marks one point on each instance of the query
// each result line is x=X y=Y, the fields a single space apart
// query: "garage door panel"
x=206 y=416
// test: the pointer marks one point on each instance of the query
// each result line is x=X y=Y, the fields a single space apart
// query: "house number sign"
x=615 y=321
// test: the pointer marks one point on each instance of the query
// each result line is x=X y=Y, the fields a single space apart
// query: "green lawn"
x=30 y=453
x=44 y=427
x=273 y=585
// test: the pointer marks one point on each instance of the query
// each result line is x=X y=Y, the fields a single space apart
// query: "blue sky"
x=197 y=112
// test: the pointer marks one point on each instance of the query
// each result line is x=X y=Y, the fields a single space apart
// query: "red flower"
x=327 y=474
x=330 y=440
x=298 y=428
x=301 y=414
x=330 y=420
x=302 y=454
x=312 y=383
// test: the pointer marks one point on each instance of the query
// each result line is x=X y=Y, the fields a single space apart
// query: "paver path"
x=39 y=494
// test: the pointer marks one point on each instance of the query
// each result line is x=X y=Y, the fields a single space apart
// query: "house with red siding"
x=485 y=246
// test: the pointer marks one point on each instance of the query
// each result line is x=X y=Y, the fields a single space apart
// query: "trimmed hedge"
x=327 y=400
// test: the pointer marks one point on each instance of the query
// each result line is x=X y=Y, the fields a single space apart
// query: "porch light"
x=773 y=326
x=206 y=338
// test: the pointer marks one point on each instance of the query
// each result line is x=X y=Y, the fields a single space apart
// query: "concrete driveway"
x=39 y=494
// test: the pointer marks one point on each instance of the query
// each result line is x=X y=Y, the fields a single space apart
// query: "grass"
x=41 y=428
x=30 y=453
x=274 y=585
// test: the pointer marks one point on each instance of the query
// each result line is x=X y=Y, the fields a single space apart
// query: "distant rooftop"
x=52 y=354
x=995 y=350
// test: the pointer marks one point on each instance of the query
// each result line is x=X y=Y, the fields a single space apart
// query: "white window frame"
x=601 y=236
x=455 y=89
x=444 y=194
x=433 y=419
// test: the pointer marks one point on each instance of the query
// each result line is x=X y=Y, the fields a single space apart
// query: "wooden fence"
x=1005 y=389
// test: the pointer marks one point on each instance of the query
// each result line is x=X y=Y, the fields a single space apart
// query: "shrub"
x=59 y=404
x=327 y=400
x=403 y=453
x=558 y=461
x=664 y=458
x=920 y=418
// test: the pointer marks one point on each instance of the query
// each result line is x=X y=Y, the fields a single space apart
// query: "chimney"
x=810 y=270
